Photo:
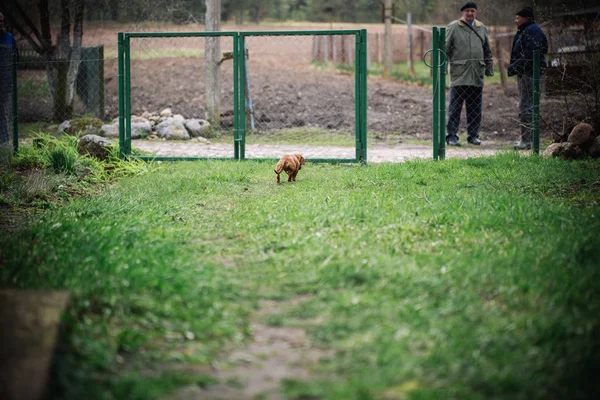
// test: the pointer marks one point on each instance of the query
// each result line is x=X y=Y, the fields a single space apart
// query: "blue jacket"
x=8 y=56
x=528 y=39
x=7 y=40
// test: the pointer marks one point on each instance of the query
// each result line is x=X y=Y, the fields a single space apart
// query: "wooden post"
x=387 y=12
x=212 y=100
x=378 y=44
x=334 y=50
x=351 y=44
x=411 y=66
x=315 y=49
x=343 y=50
x=499 y=56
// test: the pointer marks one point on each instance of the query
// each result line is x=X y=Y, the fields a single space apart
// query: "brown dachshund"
x=291 y=164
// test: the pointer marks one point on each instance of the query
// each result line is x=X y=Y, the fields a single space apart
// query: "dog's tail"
x=279 y=167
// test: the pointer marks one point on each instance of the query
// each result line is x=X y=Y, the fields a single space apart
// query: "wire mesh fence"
x=241 y=89
x=319 y=114
x=301 y=91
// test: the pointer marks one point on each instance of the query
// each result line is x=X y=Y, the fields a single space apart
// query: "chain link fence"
x=7 y=103
x=319 y=113
x=300 y=90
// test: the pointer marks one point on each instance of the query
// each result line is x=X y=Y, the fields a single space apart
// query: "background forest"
x=354 y=11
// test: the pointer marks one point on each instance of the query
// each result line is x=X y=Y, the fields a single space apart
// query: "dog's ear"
x=302 y=161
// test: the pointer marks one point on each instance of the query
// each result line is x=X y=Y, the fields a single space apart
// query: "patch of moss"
x=79 y=125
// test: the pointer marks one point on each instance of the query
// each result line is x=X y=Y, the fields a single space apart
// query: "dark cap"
x=469 y=4
x=526 y=12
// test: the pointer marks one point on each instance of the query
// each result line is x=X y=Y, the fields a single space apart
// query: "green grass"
x=465 y=279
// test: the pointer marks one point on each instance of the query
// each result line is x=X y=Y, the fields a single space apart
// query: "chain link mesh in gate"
x=301 y=96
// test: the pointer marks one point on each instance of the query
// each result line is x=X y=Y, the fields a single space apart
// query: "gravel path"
x=376 y=153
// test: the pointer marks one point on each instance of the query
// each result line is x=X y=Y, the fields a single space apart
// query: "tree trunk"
x=64 y=64
x=114 y=9
x=212 y=99
x=387 y=41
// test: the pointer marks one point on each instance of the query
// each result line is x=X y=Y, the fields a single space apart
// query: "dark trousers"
x=526 y=107
x=472 y=96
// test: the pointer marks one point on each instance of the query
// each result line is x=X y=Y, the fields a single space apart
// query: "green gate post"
x=436 y=84
x=536 y=103
x=120 y=54
x=357 y=99
x=363 y=95
x=442 y=95
x=242 y=95
x=236 y=106
x=15 y=107
x=128 y=91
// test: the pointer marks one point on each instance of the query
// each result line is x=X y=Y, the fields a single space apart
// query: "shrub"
x=63 y=160
x=28 y=157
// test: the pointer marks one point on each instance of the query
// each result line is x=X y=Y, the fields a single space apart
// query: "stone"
x=172 y=129
x=581 y=134
x=554 y=150
x=198 y=127
x=94 y=145
x=141 y=129
x=166 y=113
x=111 y=130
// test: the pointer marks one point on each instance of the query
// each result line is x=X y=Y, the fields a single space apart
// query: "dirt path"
x=376 y=153
x=257 y=371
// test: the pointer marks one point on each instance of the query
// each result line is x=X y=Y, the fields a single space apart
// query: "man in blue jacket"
x=529 y=38
x=8 y=56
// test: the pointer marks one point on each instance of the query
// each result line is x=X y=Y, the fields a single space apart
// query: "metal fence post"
x=242 y=96
x=363 y=94
x=15 y=107
x=442 y=95
x=436 y=84
x=536 y=103
x=120 y=60
x=236 y=105
x=128 y=96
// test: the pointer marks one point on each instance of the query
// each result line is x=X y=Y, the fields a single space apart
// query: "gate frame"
x=239 y=80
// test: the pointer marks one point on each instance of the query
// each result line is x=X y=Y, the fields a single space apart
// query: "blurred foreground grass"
x=462 y=279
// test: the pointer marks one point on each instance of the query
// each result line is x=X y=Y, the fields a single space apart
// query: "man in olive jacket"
x=469 y=56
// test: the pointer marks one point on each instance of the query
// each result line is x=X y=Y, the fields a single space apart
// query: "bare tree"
x=212 y=95
x=387 y=41
x=62 y=59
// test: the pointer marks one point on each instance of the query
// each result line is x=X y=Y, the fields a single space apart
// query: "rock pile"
x=582 y=142
x=165 y=125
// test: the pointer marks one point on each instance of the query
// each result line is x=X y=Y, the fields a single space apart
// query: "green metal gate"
x=240 y=101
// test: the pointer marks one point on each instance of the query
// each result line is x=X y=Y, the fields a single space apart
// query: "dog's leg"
x=278 y=181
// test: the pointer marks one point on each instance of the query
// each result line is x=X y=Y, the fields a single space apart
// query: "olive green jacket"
x=468 y=57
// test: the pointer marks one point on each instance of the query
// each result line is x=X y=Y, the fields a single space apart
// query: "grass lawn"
x=465 y=279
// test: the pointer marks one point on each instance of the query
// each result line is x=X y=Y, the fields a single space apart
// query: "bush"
x=63 y=160
x=28 y=157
